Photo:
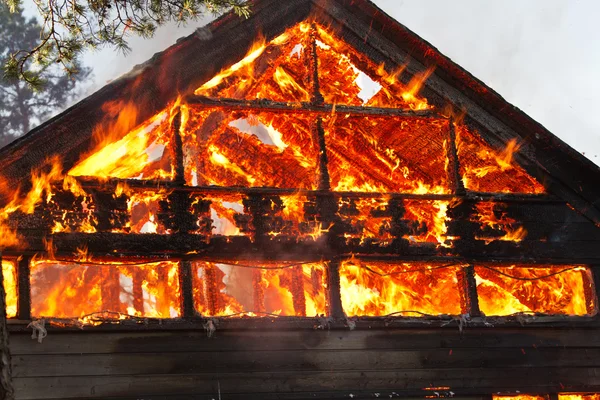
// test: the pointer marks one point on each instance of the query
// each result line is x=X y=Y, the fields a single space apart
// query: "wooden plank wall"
x=303 y=364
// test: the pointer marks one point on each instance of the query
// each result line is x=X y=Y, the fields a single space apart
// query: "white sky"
x=541 y=55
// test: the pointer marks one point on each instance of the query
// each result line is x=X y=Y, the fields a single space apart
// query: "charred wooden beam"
x=336 y=309
x=177 y=148
x=305 y=107
x=6 y=385
x=186 y=285
x=454 y=174
x=324 y=182
x=24 y=288
x=469 y=290
x=316 y=96
x=91 y=183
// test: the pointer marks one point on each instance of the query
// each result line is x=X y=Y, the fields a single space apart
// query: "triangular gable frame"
x=181 y=68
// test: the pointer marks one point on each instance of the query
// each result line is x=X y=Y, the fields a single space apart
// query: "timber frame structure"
x=329 y=357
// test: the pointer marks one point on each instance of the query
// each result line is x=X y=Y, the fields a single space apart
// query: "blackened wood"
x=175 y=362
x=380 y=338
x=469 y=286
x=6 y=385
x=316 y=96
x=334 y=297
x=468 y=380
x=454 y=174
x=177 y=148
x=94 y=183
x=137 y=291
x=595 y=269
x=324 y=183
x=24 y=288
x=304 y=107
x=187 y=289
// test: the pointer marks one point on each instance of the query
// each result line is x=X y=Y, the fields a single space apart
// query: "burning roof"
x=307 y=173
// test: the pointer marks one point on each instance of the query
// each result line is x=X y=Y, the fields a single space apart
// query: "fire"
x=76 y=290
x=139 y=154
x=495 y=219
x=378 y=289
x=548 y=290
x=486 y=170
x=263 y=289
x=9 y=273
x=579 y=396
x=520 y=397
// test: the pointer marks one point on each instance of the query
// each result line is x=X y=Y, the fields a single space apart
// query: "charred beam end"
x=187 y=290
x=177 y=148
x=304 y=107
x=91 y=183
x=24 y=289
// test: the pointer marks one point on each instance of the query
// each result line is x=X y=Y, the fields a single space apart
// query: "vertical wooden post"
x=186 y=288
x=177 y=149
x=336 y=309
x=468 y=287
x=595 y=270
x=24 y=288
x=297 y=289
x=454 y=176
x=137 y=292
x=316 y=96
x=6 y=387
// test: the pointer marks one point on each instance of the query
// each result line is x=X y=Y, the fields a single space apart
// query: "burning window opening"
x=227 y=290
x=9 y=274
x=567 y=290
x=87 y=291
x=389 y=289
x=579 y=396
x=520 y=397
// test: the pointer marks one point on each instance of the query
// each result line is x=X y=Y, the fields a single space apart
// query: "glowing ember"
x=378 y=289
x=550 y=290
x=77 y=290
x=9 y=273
x=258 y=290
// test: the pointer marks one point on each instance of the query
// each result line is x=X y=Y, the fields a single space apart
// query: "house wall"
x=306 y=363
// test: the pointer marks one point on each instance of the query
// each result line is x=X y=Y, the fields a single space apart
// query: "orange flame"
x=9 y=273
x=549 y=290
x=378 y=289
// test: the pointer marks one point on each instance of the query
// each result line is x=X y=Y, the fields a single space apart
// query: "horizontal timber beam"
x=93 y=183
x=303 y=107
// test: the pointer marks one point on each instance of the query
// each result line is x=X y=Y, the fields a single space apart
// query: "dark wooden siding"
x=303 y=364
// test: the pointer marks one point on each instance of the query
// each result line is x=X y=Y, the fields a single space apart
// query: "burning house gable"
x=336 y=173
